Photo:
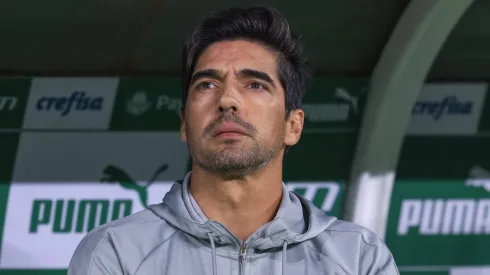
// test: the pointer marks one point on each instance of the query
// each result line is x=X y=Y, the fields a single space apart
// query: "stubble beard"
x=235 y=162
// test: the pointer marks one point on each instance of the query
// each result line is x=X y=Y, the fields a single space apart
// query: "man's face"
x=234 y=120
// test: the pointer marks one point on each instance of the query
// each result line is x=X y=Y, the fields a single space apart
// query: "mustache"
x=229 y=117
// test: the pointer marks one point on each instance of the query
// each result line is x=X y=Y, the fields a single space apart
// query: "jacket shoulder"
x=367 y=236
x=345 y=239
x=120 y=245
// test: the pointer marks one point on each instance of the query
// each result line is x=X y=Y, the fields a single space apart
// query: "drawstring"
x=307 y=252
x=213 y=248
x=284 y=251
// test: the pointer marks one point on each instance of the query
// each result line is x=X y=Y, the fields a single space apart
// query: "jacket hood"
x=297 y=220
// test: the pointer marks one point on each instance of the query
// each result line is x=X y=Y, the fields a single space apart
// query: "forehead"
x=237 y=55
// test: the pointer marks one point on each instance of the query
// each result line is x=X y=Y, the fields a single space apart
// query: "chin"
x=232 y=155
x=231 y=146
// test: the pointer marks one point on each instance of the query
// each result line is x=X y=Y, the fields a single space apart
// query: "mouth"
x=229 y=135
x=228 y=130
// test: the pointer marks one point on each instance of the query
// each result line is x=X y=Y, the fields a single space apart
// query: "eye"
x=256 y=86
x=205 y=85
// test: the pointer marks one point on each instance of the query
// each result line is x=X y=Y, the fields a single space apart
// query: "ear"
x=183 y=133
x=294 y=127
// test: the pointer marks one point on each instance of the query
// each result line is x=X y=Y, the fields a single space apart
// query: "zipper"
x=243 y=257
x=237 y=241
x=242 y=253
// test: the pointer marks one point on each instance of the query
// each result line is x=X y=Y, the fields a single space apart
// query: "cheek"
x=196 y=110
x=262 y=99
x=273 y=127
x=264 y=107
x=202 y=100
x=192 y=124
x=200 y=110
x=270 y=116
x=193 y=128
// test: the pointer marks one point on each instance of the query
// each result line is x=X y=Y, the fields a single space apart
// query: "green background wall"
x=55 y=155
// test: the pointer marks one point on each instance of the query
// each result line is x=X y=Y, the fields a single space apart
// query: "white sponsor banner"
x=448 y=109
x=70 y=103
x=67 y=183
x=45 y=222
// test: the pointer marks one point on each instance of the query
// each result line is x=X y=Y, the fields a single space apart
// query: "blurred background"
x=396 y=135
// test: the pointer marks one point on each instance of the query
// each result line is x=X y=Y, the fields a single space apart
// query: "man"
x=243 y=81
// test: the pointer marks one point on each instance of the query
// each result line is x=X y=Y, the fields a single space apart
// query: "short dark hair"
x=258 y=24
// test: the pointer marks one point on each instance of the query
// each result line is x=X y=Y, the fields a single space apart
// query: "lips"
x=228 y=129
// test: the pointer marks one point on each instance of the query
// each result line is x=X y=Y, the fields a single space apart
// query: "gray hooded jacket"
x=175 y=237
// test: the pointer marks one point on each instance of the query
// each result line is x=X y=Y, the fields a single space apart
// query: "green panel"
x=323 y=191
x=424 y=273
x=442 y=157
x=320 y=157
x=334 y=103
x=439 y=223
x=13 y=101
x=8 y=143
x=433 y=175
x=147 y=104
x=484 y=125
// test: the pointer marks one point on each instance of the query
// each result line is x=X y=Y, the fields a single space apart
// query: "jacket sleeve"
x=376 y=259
x=95 y=255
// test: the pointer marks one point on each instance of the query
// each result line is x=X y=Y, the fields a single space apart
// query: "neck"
x=243 y=205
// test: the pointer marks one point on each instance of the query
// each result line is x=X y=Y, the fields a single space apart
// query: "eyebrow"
x=244 y=73
x=208 y=73
x=256 y=74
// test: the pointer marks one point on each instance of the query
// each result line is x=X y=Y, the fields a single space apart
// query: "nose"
x=225 y=109
x=229 y=100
